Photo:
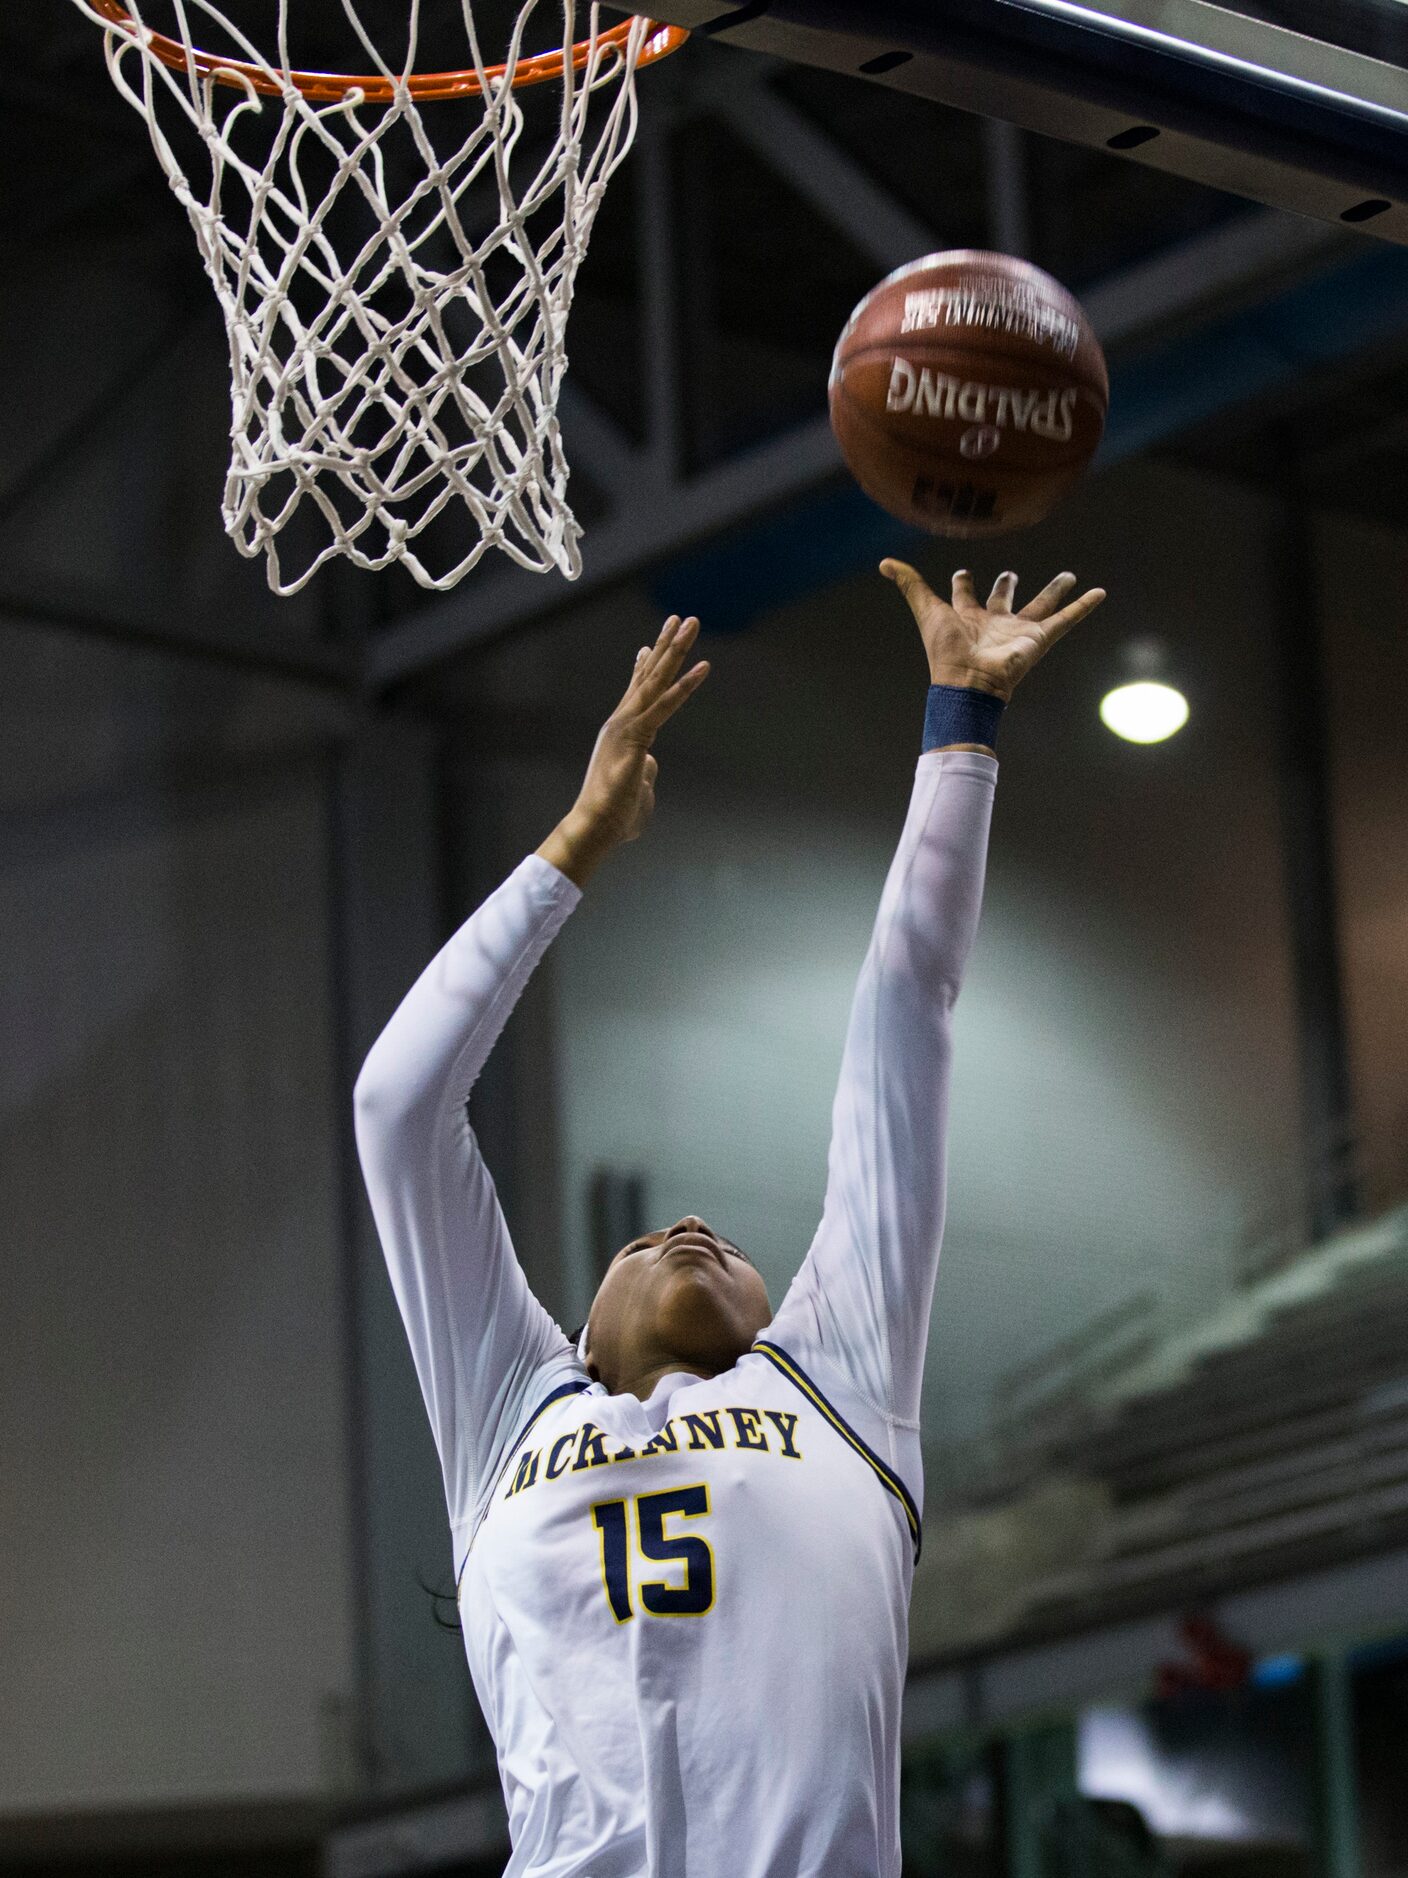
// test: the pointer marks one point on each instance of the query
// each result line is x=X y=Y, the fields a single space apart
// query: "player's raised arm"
x=862 y=1297
x=485 y=1350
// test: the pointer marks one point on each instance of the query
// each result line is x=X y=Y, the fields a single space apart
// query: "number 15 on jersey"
x=638 y=1527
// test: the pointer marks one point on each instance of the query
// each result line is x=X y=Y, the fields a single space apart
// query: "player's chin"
x=696 y=1285
x=704 y=1314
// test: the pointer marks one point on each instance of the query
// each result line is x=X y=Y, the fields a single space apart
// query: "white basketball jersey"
x=686 y=1618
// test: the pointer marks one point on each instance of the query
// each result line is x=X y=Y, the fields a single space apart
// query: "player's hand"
x=617 y=797
x=989 y=648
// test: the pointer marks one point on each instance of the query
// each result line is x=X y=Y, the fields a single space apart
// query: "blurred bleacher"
x=1266 y=1440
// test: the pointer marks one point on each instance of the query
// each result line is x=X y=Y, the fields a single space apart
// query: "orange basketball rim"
x=537 y=69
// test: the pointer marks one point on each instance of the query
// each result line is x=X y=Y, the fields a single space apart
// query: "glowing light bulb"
x=1144 y=712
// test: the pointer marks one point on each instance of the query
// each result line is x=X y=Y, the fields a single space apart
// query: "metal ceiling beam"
x=658 y=275
x=1008 y=187
x=630 y=541
x=1275 y=132
x=1258 y=350
x=270 y=654
x=824 y=174
x=871 y=216
x=1201 y=275
x=610 y=458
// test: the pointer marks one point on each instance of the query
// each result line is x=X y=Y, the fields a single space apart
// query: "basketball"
x=968 y=393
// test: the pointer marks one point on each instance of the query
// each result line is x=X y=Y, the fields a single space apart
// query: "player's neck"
x=649 y=1380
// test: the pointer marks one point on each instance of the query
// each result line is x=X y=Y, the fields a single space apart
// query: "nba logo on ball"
x=980 y=440
x=968 y=393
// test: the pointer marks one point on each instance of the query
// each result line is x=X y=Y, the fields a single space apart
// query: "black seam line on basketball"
x=565 y=1389
x=1011 y=479
x=889 y=1479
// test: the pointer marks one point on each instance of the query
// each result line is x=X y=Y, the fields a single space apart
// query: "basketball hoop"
x=536 y=69
x=378 y=379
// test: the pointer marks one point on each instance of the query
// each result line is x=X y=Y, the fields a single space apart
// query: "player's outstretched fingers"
x=666 y=664
x=663 y=708
x=1004 y=592
x=910 y=582
x=670 y=666
x=1061 y=623
x=1052 y=596
x=965 y=594
x=648 y=657
x=917 y=590
x=685 y=635
x=663 y=641
x=900 y=572
x=659 y=668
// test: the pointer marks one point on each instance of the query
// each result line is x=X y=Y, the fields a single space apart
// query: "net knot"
x=395 y=285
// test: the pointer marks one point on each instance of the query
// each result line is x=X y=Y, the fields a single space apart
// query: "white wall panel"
x=174 y=1616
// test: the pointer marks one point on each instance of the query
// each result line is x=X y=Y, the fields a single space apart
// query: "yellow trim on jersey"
x=889 y=1479
x=565 y=1389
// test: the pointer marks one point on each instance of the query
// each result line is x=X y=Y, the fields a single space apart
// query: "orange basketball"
x=968 y=393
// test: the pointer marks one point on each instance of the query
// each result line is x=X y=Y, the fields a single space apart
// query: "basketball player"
x=685 y=1546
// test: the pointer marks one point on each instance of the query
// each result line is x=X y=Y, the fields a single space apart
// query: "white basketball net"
x=359 y=386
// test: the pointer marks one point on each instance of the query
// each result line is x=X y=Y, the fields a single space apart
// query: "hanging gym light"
x=1146 y=707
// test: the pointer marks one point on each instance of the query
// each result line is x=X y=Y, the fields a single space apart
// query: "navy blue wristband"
x=957 y=715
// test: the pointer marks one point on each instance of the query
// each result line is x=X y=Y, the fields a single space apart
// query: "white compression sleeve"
x=482 y=1343
x=863 y=1295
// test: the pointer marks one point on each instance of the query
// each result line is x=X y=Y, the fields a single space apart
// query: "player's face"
x=683 y=1296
